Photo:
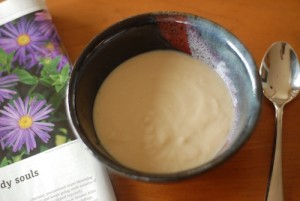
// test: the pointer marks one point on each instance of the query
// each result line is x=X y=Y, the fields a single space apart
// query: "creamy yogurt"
x=163 y=112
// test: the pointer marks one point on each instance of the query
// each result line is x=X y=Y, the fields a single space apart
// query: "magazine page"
x=40 y=157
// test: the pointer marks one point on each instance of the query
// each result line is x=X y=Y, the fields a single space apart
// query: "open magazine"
x=40 y=157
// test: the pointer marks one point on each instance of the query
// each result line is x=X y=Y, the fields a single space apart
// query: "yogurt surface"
x=163 y=112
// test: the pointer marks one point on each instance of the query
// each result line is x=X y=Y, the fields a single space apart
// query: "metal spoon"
x=280 y=76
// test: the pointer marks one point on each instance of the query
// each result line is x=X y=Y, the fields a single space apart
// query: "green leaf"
x=6 y=60
x=38 y=96
x=18 y=157
x=47 y=81
x=25 y=77
x=43 y=148
x=49 y=66
x=51 y=77
x=65 y=72
x=5 y=162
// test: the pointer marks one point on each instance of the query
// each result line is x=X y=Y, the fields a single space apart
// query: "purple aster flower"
x=23 y=121
x=55 y=50
x=45 y=24
x=6 y=82
x=24 y=38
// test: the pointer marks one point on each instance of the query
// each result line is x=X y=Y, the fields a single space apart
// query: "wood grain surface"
x=257 y=24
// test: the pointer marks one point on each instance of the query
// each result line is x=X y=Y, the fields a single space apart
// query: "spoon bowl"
x=280 y=76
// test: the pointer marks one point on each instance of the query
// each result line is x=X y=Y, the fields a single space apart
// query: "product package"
x=40 y=157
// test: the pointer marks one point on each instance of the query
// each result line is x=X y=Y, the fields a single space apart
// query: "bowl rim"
x=131 y=173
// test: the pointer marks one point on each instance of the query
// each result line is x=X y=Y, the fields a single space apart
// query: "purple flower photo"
x=5 y=83
x=23 y=38
x=46 y=26
x=23 y=121
x=34 y=71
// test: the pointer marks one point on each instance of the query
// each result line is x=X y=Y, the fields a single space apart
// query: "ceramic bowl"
x=196 y=36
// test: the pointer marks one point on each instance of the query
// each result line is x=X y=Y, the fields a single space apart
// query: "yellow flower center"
x=25 y=122
x=23 y=39
x=50 y=46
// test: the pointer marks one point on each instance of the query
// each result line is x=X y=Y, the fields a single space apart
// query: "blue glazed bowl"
x=199 y=37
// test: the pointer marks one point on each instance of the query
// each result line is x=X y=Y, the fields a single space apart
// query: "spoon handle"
x=275 y=187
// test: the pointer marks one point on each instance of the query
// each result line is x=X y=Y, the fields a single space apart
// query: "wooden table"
x=257 y=24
